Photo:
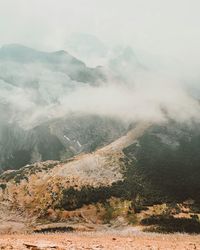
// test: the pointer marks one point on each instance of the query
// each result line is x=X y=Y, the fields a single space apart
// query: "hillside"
x=33 y=128
x=121 y=180
x=64 y=168
x=57 y=139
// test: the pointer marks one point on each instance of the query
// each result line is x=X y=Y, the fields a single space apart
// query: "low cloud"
x=144 y=95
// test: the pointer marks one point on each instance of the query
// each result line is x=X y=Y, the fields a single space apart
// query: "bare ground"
x=110 y=240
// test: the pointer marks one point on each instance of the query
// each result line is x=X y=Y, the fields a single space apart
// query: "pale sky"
x=165 y=28
x=165 y=31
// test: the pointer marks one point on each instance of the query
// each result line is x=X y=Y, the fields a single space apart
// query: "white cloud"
x=164 y=34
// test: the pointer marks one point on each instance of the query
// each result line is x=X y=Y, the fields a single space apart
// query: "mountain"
x=55 y=140
x=78 y=170
x=149 y=174
x=87 y=47
x=59 y=61
x=32 y=85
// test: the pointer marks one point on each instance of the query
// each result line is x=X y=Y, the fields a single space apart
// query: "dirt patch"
x=108 y=240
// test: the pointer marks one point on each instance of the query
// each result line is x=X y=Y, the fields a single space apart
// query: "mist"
x=139 y=95
x=147 y=50
x=169 y=30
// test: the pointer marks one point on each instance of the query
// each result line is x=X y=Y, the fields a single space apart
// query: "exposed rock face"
x=56 y=140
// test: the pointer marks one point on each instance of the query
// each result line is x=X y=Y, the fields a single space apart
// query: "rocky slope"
x=122 y=183
x=41 y=188
x=32 y=84
x=57 y=139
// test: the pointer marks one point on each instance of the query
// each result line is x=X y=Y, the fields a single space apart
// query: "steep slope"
x=102 y=167
x=168 y=157
x=37 y=123
x=41 y=186
x=17 y=55
x=32 y=83
x=56 y=140
x=119 y=180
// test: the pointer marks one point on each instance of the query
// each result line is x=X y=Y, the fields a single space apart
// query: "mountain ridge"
x=119 y=174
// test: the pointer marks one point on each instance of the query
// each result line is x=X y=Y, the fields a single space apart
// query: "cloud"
x=169 y=29
x=145 y=96
x=164 y=37
x=145 y=100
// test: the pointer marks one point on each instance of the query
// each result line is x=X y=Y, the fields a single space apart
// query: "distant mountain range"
x=59 y=61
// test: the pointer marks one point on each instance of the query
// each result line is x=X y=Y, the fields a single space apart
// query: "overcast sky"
x=160 y=32
x=169 y=29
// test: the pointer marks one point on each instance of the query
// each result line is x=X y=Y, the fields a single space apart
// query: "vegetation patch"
x=22 y=174
x=169 y=224
x=172 y=173
x=115 y=208
x=3 y=186
x=54 y=230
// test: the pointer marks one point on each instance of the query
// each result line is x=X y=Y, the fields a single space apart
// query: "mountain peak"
x=60 y=52
x=15 y=46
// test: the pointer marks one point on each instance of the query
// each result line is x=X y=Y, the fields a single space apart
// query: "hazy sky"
x=164 y=28
x=161 y=32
